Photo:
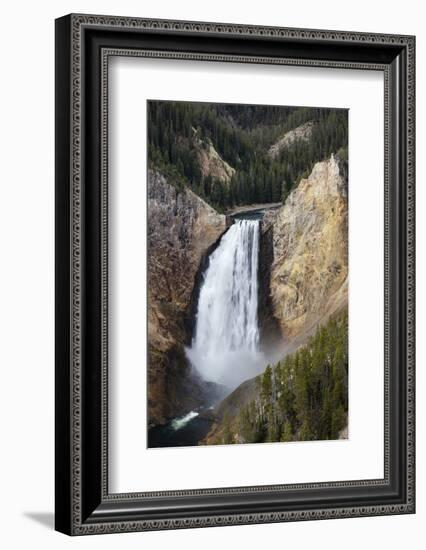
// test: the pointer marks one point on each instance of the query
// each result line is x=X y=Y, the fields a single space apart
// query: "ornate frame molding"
x=72 y=516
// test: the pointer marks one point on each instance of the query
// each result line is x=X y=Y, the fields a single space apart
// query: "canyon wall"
x=309 y=272
x=303 y=271
x=302 y=133
x=181 y=230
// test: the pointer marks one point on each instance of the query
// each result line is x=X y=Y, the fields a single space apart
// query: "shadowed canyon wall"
x=181 y=229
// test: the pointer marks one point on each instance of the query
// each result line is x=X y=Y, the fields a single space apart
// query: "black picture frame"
x=83 y=45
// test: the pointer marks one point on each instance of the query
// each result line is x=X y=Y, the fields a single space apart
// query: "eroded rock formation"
x=309 y=274
x=301 y=133
x=212 y=164
x=181 y=229
x=303 y=270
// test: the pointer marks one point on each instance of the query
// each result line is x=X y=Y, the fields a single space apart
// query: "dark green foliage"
x=242 y=135
x=227 y=436
x=305 y=396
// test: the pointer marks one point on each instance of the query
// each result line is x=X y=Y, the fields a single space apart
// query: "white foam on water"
x=182 y=421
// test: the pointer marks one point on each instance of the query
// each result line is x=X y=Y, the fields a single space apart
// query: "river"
x=225 y=348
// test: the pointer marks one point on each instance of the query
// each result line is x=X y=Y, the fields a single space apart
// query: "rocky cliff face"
x=211 y=163
x=181 y=230
x=301 y=133
x=309 y=274
x=303 y=270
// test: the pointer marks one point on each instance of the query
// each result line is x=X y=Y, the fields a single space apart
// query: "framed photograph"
x=234 y=274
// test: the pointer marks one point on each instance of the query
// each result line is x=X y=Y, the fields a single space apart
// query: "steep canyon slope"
x=304 y=254
x=181 y=230
x=309 y=274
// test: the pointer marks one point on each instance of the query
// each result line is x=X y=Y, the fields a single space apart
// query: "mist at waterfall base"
x=225 y=347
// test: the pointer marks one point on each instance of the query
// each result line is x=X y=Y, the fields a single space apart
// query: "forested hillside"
x=182 y=135
x=303 y=397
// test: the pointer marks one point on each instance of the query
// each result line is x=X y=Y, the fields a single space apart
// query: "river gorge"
x=225 y=348
x=234 y=294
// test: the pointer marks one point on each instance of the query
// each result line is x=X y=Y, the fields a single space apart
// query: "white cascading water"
x=225 y=347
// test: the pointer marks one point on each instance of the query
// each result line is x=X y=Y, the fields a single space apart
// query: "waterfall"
x=225 y=346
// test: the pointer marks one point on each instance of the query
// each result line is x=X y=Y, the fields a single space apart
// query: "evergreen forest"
x=242 y=136
x=304 y=397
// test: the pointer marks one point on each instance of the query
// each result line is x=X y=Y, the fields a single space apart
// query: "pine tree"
x=242 y=135
x=227 y=436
